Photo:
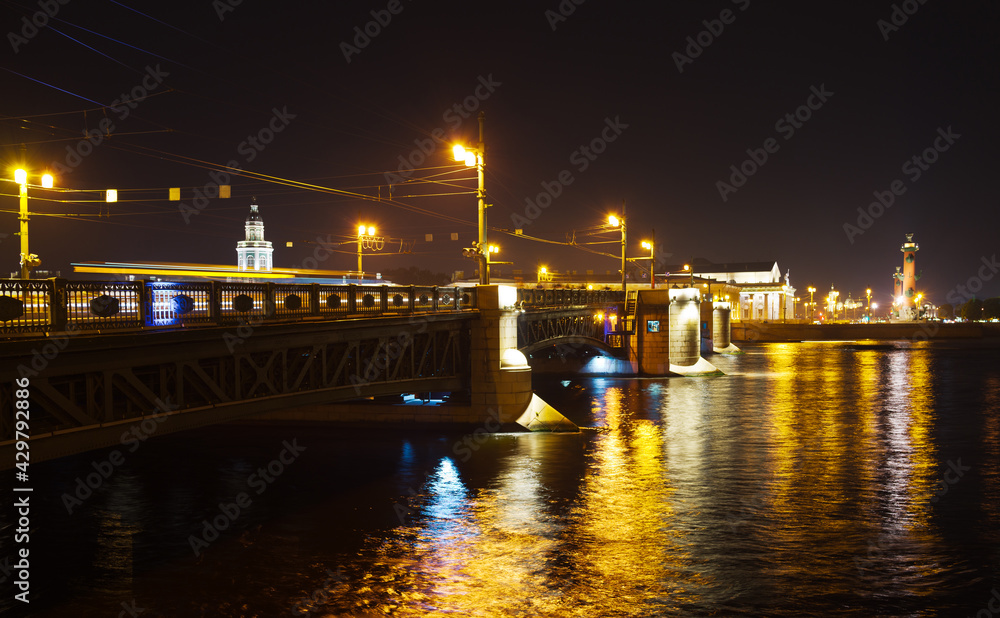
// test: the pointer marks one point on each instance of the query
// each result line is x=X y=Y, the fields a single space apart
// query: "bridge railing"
x=54 y=305
x=567 y=297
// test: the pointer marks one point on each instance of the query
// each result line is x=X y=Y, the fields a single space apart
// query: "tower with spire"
x=253 y=252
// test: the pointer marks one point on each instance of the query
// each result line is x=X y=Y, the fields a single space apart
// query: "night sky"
x=668 y=115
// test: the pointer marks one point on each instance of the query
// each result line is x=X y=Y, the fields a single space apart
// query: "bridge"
x=109 y=361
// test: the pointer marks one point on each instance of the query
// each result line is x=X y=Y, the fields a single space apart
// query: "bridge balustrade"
x=53 y=305
x=563 y=297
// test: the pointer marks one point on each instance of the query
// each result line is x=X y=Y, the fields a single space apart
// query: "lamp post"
x=651 y=245
x=868 y=309
x=28 y=261
x=365 y=235
x=812 y=303
x=614 y=221
x=476 y=157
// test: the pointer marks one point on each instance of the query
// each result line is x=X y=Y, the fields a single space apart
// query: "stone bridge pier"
x=501 y=377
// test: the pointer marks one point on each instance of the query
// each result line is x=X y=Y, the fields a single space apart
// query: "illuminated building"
x=253 y=252
x=763 y=293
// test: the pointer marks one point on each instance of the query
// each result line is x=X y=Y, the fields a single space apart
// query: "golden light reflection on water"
x=816 y=471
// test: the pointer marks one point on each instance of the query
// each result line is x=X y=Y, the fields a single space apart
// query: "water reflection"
x=807 y=481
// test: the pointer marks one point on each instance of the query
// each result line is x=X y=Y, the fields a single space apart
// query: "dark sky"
x=886 y=94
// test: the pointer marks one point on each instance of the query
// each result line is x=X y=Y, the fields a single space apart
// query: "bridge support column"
x=685 y=334
x=707 y=327
x=501 y=377
x=722 y=329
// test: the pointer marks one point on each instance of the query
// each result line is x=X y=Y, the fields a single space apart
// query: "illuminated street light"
x=868 y=293
x=366 y=236
x=28 y=259
x=615 y=221
x=651 y=245
x=476 y=157
x=543 y=274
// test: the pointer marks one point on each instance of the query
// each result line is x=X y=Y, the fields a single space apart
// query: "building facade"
x=253 y=252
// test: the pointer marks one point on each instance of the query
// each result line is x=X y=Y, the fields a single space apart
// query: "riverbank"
x=765 y=331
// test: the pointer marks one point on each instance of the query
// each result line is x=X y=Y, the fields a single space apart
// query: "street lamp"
x=690 y=268
x=543 y=274
x=366 y=237
x=651 y=245
x=28 y=260
x=614 y=221
x=812 y=303
x=794 y=300
x=476 y=157
x=868 y=311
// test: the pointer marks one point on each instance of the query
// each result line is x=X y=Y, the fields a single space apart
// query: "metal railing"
x=568 y=297
x=54 y=305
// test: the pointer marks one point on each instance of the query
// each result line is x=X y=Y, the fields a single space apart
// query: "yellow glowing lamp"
x=361 y=230
x=613 y=221
x=494 y=249
x=47 y=181
x=459 y=152
x=470 y=159
x=21 y=177
x=371 y=231
x=543 y=270
x=687 y=267
x=590 y=286
x=111 y=196
x=646 y=245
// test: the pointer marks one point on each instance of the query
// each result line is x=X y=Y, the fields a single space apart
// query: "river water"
x=813 y=479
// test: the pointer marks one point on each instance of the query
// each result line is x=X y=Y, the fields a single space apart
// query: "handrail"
x=41 y=306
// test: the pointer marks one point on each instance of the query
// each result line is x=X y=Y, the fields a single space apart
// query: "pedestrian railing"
x=55 y=305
